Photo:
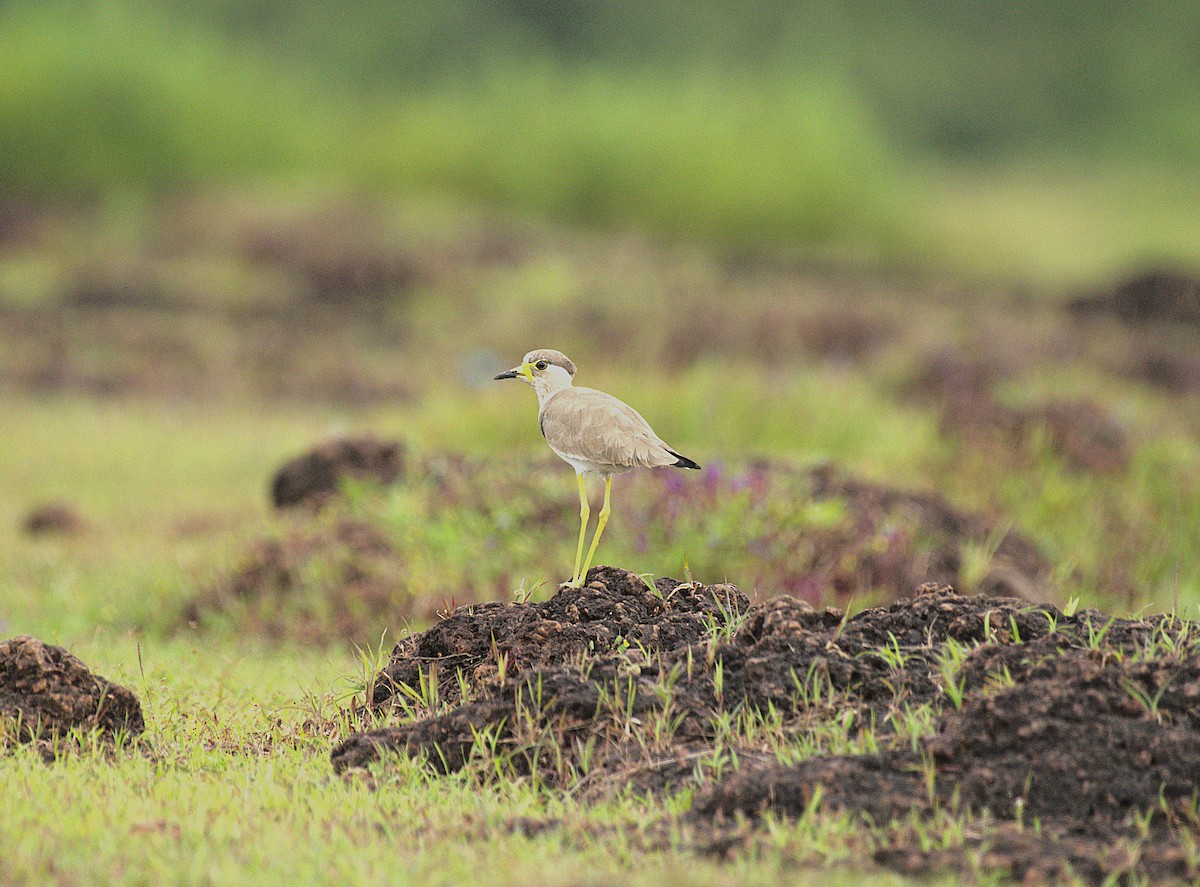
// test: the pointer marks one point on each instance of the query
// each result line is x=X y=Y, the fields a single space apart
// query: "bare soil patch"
x=338 y=255
x=926 y=538
x=310 y=583
x=1177 y=374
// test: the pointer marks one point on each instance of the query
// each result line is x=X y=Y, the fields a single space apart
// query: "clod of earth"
x=1161 y=294
x=1177 y=374
x=615 y=618
x=46 y=693
x=1084 y=433
x=119 y=286
x=354 y=567
x=1017 y=567
x=338 y=255
x=54 y=518
x=1079 y=722
x=1081 y=743
x=315 y=477
x=739 y=329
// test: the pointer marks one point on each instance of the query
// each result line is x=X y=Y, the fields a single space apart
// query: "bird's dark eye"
x=541 y=364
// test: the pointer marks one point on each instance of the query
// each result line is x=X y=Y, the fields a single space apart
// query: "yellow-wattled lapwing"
x=591 y=431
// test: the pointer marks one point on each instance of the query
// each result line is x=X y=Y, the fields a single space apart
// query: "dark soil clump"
x=315 y=477
x=338 y=254
x=1081 y=431
x=614 y=608
x=1084 y=433
x=928 y=549
x=779 y=654
x=54 y=519
x=1172 y=373
x=1083 y=743
x=778 y=329
x=1083 y=722
x=494 y=650
x=1161 y=294
x=46 y=693
x=310 y=583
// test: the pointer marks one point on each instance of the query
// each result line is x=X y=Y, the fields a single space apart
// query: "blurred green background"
x=1048 y=140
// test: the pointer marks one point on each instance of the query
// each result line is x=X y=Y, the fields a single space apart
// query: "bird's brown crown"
x=552 y=357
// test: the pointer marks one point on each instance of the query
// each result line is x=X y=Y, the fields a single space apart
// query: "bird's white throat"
x=548 y=383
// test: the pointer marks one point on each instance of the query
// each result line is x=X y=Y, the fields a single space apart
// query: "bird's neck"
x=545 y=392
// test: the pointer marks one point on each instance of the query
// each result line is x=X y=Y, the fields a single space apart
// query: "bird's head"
x=545 y=369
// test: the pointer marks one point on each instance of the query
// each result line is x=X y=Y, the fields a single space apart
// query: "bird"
x=594 y=433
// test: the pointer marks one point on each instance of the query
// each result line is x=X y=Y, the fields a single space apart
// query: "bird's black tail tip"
x=684 y=461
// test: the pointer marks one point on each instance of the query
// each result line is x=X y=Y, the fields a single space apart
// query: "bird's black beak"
x=511 y=374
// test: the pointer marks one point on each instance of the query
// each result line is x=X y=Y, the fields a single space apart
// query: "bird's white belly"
x=583 y=466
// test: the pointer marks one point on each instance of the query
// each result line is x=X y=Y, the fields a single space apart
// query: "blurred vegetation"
x=819 y=125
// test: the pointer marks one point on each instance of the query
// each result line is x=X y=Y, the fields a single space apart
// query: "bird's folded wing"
x=596 y=427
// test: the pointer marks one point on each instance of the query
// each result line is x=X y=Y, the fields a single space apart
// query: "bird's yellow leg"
x=604 y=512
x=584 y=513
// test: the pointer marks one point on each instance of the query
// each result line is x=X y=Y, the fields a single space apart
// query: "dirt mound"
x=313 y=478
x=53 y=519
x=614 y=685
x=614 y=608
x=123 y=286
x=45 y=693
x=1084 y=433
x=337 y=254
x=1102 y=752
x=926 y=538
x=1034 y=856
x=1176 y=374
x=1160 y=294
x=947 y=376
x=765 y=329
x=881 y=659
x=339 y=579
x=1018 y=750
x=482 y=659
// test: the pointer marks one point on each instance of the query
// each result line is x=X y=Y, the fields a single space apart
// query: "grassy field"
x=141 y=391
x=832 y=254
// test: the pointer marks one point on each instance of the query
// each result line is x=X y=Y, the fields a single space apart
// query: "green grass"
x=792 y=153
x=119 y=98
x=1059 y=224
x=232 y=786
x=735 y=161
